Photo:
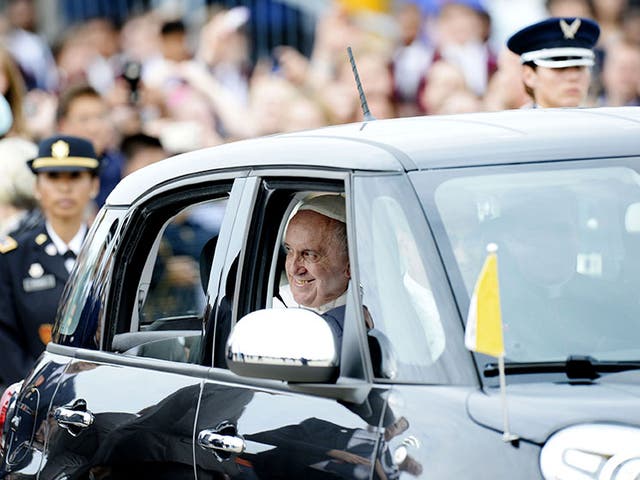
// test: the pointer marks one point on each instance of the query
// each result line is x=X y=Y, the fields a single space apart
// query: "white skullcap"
x=331 y=206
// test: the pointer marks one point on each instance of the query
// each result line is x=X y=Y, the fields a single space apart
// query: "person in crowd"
x=556 y=56
x=18 y=206
x=83 y=112
x=621 y=75
x=31 y=52
x=317 y=258
x=505 y=89
x=13 y=88
x=411 y=58
x=570 y=8
x=140 y=150
x=35 y=266
x=461 y=38
x=609 y=14
x=444 y=81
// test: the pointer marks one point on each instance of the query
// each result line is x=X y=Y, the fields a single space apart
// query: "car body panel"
x=289 y=435
x=537 y=410
x=143 y=419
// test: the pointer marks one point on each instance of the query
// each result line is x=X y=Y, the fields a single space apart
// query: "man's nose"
x=296 y=262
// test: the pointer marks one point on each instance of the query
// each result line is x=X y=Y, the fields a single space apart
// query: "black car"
x=173 y=357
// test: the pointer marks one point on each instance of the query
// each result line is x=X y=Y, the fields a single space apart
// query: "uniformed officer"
x=556 y=56
x=35 y=265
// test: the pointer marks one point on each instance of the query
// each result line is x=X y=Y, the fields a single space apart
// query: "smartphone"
x=132 y=73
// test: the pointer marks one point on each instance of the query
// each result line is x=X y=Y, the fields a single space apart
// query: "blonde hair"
x=15 y=94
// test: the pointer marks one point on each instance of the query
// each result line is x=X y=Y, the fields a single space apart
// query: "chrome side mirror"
x=292 y=344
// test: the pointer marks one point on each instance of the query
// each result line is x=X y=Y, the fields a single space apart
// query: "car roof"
x=414 y=143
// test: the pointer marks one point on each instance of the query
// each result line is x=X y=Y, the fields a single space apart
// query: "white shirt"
x=74 y=245
x=288 y=301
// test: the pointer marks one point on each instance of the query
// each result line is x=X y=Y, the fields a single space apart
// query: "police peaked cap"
x=557 y=42
x=62 y=153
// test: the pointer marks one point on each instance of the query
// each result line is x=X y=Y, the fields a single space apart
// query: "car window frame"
x=355 y=363
x=142 y=226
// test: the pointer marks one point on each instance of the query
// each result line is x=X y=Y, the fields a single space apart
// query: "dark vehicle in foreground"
x=150 y=377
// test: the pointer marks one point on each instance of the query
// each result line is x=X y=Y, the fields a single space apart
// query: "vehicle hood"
x=536 y=410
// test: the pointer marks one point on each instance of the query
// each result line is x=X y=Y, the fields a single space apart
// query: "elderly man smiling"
x=317 y=261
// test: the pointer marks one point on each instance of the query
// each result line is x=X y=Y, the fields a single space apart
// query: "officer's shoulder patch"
x=7 y=244
x=41 y=238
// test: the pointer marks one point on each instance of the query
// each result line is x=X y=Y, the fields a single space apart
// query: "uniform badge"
x=40 y=239
x=45 y=282
x=60 y=149
x=44 y=332
x=51 y=250
x=569 y=30
x=36 y=270
x=7 y=244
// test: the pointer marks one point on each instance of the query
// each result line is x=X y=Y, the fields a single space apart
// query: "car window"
x=176 y=287
x=159 y=275
x=567 y=242
x=262 y=274
x=172 y=288
x=394 y=282
x=80 y=314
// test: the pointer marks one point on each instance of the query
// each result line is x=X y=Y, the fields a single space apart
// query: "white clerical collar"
x=338 y=302
x=74 y=245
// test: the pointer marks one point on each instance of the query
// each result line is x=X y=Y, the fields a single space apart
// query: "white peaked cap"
x=331 y=206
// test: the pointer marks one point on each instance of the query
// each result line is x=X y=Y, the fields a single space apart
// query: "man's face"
x=317 y=265
x=558 y=87
x=65 y=195
x=88 y=117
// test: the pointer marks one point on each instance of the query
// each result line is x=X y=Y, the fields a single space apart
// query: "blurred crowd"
x=158 y=78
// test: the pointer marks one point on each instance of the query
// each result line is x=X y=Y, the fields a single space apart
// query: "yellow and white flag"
x=483 y=333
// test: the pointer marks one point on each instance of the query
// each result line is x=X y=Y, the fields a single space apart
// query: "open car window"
x=168 y=274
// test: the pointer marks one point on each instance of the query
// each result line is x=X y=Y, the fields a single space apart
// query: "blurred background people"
x=202 y=73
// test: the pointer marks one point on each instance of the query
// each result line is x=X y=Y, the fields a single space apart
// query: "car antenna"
x=363 y=100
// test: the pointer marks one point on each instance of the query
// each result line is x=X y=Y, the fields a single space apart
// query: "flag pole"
x=507 y=436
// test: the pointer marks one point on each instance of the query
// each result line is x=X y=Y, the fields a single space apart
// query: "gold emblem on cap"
x=569 y=31
x=60 y=149
x=40 y=239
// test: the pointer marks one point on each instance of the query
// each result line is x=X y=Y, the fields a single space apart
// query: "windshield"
x=568 y=254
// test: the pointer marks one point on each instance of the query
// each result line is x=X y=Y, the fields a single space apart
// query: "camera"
x=131 y=73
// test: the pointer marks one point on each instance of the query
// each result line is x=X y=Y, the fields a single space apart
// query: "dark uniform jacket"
x=32 y=277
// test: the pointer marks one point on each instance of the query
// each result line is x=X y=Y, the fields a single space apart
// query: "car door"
x=127 y=409
x=261 y=428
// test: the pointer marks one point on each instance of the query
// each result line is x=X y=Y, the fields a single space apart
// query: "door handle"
x=212 y=440
x=74 y=417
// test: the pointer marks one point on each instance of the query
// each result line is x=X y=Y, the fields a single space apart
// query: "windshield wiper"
x=581 y=367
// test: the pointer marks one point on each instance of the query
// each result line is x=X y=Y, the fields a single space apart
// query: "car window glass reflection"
x=173 y=291
x=394 y=283
x=563 y=238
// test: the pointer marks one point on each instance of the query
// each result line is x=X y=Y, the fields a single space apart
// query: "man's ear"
x=529 y=76
x=347 y=272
